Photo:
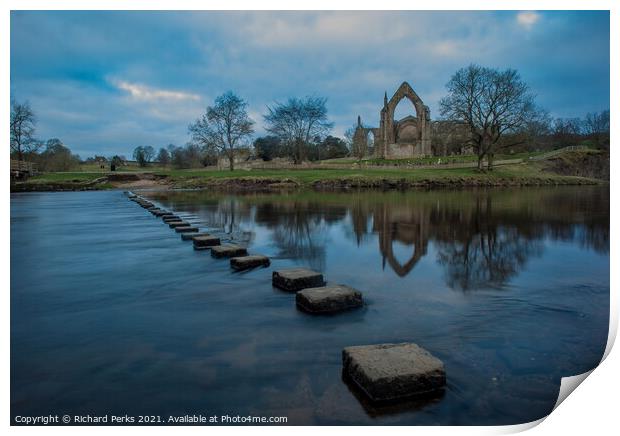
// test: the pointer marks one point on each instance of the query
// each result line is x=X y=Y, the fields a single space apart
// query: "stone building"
x=412 y=136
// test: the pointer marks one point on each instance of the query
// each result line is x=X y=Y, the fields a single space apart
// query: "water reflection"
x=481 y=238
x=168 y=330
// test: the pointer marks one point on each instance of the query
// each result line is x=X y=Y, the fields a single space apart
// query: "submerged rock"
x=329 y=299
x=248 y=262
x=387 y=372
x=228 y=250
x=296 y=279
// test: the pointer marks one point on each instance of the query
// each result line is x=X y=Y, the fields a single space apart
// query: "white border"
x=592 y=409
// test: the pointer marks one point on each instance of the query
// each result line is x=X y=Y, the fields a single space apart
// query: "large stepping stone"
x=228 y=250
x=175 y=224
x=190 y=236
x=205 y=242
x=388 y=372
x=249 y=262
x=329 y=299
x=169 y=218
x=186 y=229
x=296 y=279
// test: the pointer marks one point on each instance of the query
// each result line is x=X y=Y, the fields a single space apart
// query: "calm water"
x=111 y=313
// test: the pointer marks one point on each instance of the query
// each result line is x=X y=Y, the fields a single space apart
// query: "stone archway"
x=420 y=144
x=406 y=91
x=386 y=144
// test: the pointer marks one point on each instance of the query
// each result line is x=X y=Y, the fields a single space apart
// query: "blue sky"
x=106 y=82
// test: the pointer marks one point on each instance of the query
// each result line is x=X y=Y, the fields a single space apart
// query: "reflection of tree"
x=485 y=258
x=483 y=237
x=481 y=253
x=300 y=228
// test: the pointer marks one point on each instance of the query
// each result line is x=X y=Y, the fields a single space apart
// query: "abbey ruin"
x=412 y=136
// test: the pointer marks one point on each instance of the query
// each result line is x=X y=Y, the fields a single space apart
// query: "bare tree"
x=491 y=103
x=225 y=126
x=143 y=155
x=163 y=157
x=597 y=126
x=22 y=130
x=297 y=122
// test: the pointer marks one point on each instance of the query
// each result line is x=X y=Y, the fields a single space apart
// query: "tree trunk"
x=480 y=158
x=490 y=161
x=231 y=161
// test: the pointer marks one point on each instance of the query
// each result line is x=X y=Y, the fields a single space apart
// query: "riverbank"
x=527 y=174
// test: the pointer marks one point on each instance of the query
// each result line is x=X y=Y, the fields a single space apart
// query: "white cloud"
x=143 y=92
x=311 y=29
x=527 y=19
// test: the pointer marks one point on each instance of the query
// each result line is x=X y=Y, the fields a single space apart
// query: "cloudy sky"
x=105 y=82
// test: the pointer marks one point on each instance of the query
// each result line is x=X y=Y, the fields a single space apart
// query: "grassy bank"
x=527 y=174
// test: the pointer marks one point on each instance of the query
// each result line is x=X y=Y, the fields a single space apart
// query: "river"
x=112 y=313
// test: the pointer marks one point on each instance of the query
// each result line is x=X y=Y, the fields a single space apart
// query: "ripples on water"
x=111 y=313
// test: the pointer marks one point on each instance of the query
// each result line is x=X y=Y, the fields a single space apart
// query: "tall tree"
x=143 y=155
x=297 y=121
x=163 y=157
x=224 y=127
x=57 y=157
x=597 y=126
x=22 y=129
x=492 y=103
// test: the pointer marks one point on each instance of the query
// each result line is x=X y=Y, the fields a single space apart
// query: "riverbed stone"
x=296 y=279
x=388 y=372
x=175 y=224
x=328 y=299
x=205 y=242
x=186 y=229
x=248 y=262
x=190 y=236
x=228 y=250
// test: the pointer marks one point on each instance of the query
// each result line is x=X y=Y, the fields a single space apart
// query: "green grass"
x=431 y=160
x=507 y=173
x=77 y=177
x=528 y=172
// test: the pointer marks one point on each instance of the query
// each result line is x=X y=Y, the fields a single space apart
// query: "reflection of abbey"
x=411 y=136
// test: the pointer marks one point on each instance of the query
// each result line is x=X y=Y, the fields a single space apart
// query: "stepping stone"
x=205 y=242
x=158 y=213
x=190 y=236
x=387 y=372
x=175 y=224
x=228 y=250
x=248 y=262
x=171 y=218
x=186 y=229
x=296 y=279
x=329 y=299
